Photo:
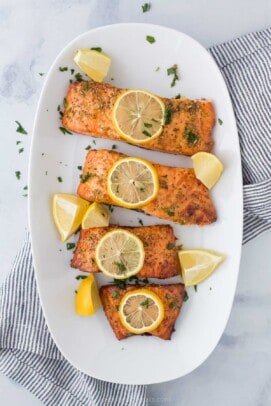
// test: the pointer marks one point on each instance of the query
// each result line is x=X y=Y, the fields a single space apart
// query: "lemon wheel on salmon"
x=132 y=182
x=207 y=167
x=120 y=254
x=141 y=311
x=138 y=116
x=197 y=265
x=93 y=63
x=87 y=300
x=68 y=211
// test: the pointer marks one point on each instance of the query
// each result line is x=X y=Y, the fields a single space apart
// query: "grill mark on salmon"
x=89 y=109
x=161 y=258
x=182 y=198
x=171 y=296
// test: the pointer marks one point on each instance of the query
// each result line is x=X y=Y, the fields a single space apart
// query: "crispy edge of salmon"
x=171 y=295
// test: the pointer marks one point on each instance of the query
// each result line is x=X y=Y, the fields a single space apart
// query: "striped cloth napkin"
x=27 y=352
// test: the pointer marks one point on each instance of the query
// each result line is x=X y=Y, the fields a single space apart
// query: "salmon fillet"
x=161 y=258
x=182 y=198
x=89 y=108
x=171 y=295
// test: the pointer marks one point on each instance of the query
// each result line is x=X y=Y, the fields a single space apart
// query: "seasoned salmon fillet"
x=171 y=295
x=188 y=128
x=161 y=258
x=182 y=198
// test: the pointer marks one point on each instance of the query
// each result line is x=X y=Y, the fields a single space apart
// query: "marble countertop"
x=238 y=372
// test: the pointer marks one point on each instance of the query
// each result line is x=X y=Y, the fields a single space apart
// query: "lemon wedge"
x=119 y=254
x=141 y=311
x=207 y=167
x=87 y=300
x=132 y=182
x=68 y=211
x=93 y=63
x=197 y=265
x=138 y=116
x=97 y=215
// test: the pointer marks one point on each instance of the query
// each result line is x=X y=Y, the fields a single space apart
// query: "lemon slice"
x=120 y=254
x=207 y=167
x=97 y=215
x=87 y=300
x=93 y=63
x=141 y=311
x=197 y=265
x=132 y=182
x=68 y=211
x=138 y=116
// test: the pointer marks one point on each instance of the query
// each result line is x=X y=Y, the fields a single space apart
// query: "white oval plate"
x=89 y=343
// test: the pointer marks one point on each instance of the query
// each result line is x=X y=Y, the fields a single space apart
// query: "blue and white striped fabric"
x=29 y=356
x=246 y=66
x=27 y=352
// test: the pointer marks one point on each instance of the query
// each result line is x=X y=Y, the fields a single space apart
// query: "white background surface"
x=31 y=35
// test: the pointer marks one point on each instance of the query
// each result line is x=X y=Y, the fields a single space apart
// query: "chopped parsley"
x=59 y=179
x=186 y=297
x=150 y=39
x=169 y=211
x=178 y=96
x=190 y=136
x=147 y=125
x=145 y=132
x=122 y=283
x=146 y=7
x=173 y=304
x=88 y=147
x=78 y=77
x=167 y=296
x=173 y=70
x=94 y=142
x=65 y=103
x=65 y=131
x=25 y=188
x=196 y=288
x=70 y=246
x=79 y=167
x=110 y=208
x=78 y=277
x=85 y=85
x=18 y=175
x=117 y=307
x=41 y=74
x=72 y=71
x=63 y=68
x=114 y=146
x=168 y=114
x=20 y=128
x=120 y=265
x=18 y=142
x=84 y=177
x=170 y=246
x=115 y=294
x=220 y=122
x=21 y=150
x=98 y=49
x=140 y=222
x=146 y=303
